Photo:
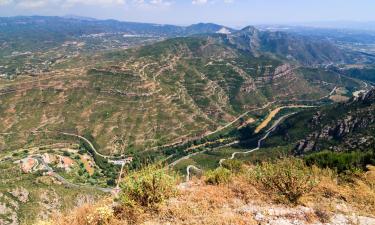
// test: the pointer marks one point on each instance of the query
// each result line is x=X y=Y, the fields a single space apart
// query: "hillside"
x=307 y=51
x=30 y=33
x=243 y=197
x=86 y=103
x=344 y=127
x=196 y=84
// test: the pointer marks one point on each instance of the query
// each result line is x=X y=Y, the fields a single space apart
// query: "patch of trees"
x=109 y=170
x=342 y=161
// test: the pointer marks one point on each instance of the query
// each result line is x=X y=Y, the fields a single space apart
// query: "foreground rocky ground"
x=333 y=200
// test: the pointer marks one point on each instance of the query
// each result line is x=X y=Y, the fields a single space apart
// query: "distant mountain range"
x=83 y=93
x=76 y=26
x=50 y=30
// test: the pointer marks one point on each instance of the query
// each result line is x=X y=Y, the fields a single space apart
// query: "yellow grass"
x=339 y=98
x=249 y=121
x=264 y=124
x=239 y=202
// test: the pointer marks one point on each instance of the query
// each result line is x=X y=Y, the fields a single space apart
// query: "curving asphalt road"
x=268 y=132
x=93 y=148
x=66 y=182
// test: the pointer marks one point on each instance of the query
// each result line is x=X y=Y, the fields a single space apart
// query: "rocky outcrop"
x=285 y=71
x=21 y=194
x=353 y=130
x=339 y=130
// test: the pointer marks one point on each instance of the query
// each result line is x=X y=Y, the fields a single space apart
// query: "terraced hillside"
x=149 y=96
x=81 y=104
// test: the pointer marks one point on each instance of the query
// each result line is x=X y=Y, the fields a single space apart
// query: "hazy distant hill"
x=38 y=29
x=76 y=26
x=303 y=49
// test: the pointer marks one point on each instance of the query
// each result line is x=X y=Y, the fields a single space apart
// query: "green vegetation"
x=80 y=77
x=290 y=178
x=109 y=170
x=148 y=187
x=233 y=165
x=42 y=194
x=341 y=161
x=362 y=73
x=218 y=176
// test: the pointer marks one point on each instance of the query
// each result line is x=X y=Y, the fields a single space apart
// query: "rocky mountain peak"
x=369 y=97
x=250 y=30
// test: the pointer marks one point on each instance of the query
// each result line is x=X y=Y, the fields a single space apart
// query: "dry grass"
x=288 y=178
x=243 y=202
x=355 y=196
x=98 y=214
x=205 y=204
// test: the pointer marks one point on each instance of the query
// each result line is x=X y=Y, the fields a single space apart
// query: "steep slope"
x=307 y=51
x=153 y=95
x=343 y=127
x=241 y=199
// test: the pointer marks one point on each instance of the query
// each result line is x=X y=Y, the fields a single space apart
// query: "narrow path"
x=188 y=171
x=66 y=182
x=92 y=146
x=216 y=131
x=238 y=118
x=185 y=157
x=268 y=132
x=275 y=112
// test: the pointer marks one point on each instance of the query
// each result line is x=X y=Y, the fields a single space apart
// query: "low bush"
x=218 y=176
x=290 y=178
x=101 y=213
x=148 y=187
x=235 y=166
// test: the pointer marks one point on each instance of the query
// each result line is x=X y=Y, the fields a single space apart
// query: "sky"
x=234 y=13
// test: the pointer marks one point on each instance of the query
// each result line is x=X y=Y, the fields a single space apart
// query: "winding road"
x=188 y=171
x=66 y=182
x=268 y=119
x=268 y=132
x=93 y=148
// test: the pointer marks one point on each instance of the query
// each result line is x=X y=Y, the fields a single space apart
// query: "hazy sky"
x=228 y=12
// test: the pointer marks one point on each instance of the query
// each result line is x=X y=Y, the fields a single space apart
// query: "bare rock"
x=21 y=194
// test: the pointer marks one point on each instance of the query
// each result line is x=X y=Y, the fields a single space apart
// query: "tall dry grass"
x=202 y=203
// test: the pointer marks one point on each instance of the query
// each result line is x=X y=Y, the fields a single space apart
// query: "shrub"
x=100 y=216
x=101 y=213
x=148 y=187
x=290 y=178
x=218 y=176
x=43 y=223
x=341 y=161
x=235 y=166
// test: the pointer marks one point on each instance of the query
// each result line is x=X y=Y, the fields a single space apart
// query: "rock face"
x=353 y=130
x=304 y=50
x=21 y=194
x=8 y=210
x=280 y=73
